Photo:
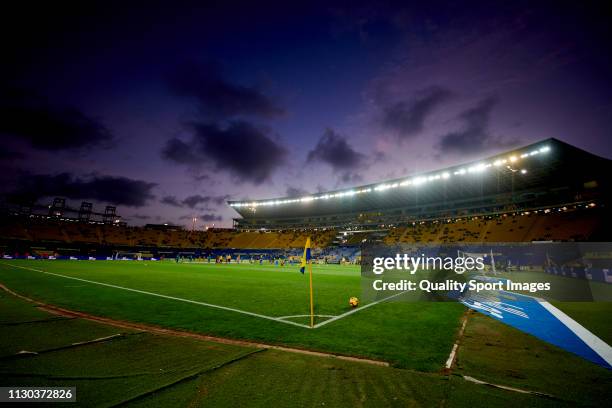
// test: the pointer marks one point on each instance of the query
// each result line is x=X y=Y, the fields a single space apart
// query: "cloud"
x=109 y=189
x=334 y=150
x=210 y=217
x=216 y=96
x=350 y=178
x=203 y=217
x=140 y=216
x=247 y=152
x=31 y=118
x=475 y=135
x=178 y=151
x=171 y=200
x=295 y=192
x=194 y=200
x=408 y=118
x=221 y=139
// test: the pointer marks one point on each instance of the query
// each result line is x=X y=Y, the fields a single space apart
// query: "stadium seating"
x=514 y=227
x=558 y=224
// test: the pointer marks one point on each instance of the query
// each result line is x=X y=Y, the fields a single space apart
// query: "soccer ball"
x=353 y=302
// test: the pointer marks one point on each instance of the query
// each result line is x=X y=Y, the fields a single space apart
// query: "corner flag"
x=306 y=257
x=306 y=262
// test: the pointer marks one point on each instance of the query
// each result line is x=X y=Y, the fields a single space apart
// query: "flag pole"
x=311 y=297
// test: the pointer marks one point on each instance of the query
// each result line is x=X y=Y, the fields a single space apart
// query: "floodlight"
x=419 y=180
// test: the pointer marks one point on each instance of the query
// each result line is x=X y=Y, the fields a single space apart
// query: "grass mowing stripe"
x=166 y=296
x=191 y=376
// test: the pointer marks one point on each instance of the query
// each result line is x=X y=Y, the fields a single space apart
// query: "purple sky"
x=167 y=111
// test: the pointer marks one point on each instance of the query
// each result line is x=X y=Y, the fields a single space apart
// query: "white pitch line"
x=333 y=319
x=451 y=357
x=453 y=353
x=276 y=319
x=303 y=315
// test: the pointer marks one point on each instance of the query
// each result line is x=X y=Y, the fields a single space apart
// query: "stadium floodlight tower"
x=85 y=211
x=110 y=214
x=57 y=208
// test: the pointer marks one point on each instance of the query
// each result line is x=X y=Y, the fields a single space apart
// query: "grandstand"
x=542 y=175
x=547 y=191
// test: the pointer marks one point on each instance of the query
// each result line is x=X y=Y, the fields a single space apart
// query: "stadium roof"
x=543 y=173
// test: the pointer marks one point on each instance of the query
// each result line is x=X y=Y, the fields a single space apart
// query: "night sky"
x=168 y=110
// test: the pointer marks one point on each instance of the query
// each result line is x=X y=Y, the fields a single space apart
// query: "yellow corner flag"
x=306 y=257
x=306 y=262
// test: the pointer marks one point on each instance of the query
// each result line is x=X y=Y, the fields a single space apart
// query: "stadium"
x=223 y=313
x=547 y=191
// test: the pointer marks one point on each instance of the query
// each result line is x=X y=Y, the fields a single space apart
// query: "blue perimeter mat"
x=530 y=315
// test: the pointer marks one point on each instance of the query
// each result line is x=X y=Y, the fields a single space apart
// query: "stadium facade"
x=541 y=175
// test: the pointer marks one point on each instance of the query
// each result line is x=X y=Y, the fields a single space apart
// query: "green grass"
x=409 y=335
x=145 y=370
x=283 y=380
x=497 y=353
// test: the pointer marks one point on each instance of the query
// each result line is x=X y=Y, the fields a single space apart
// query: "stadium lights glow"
x=414 y=181
x=418 y=180
x=478 y=167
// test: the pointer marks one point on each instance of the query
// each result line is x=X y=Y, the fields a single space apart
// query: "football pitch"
x=263 y=303
x=270 y=304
